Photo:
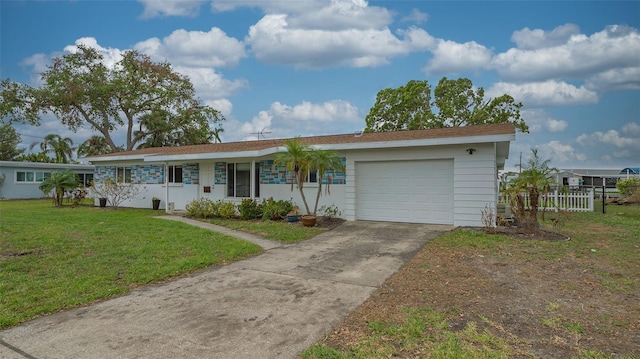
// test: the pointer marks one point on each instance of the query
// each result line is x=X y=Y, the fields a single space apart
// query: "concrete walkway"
x=266 y=244
x=270 y=306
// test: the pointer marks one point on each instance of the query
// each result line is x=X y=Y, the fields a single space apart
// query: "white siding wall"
x=475 y=177
x=475 y=186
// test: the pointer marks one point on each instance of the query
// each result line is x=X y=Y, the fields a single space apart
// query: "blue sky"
x=314 y=67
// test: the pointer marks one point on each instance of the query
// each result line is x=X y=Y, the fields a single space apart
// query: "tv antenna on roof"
x=260 y=133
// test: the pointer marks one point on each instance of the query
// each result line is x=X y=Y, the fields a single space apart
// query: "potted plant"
x=299 y=159
x=155 y=201
x=292 y=216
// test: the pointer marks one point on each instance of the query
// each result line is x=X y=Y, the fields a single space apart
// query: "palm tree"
x=216 y=134
x=95 y=145
x=296 y=160
x=59 y=182
x=325 y=161
x=54 y=144
x=300 y=158
x=536 y=180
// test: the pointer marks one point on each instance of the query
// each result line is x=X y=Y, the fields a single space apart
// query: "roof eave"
x=506 y=137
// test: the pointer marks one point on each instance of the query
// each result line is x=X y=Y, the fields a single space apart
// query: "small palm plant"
x=296 y=160
x=536 y=180
x=59 y=182
x=325 y=161
x=299 y=159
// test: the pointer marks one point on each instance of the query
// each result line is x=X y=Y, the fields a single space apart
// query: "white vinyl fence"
x=557 y=201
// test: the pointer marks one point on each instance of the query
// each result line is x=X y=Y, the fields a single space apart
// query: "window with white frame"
x=31 y=176
x=175 y=174
x=123 y=174
x=239 y=179
x=312 y=176
x=85 y=179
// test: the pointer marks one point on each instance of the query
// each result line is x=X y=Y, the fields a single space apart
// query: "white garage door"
x=405 y=191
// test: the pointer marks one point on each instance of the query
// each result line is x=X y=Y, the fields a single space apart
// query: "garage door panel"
x=405 y=191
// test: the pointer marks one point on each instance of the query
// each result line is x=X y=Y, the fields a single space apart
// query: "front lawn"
x=58 y=258
x=276 y=230
x=475 y=295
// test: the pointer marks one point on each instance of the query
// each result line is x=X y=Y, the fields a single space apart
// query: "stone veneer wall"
x=270 y=174
x=102 y=172
x=147 y=174
x=190 y=173
x=150 y=174
x=220 y=173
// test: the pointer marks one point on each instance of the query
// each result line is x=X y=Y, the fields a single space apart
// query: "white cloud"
x=631 y=129
x=416 y=16
x=273 y=41
x=623 y=144
x=209 y=84
x=154 y=8
x=195 y=48
x=578 y=56
x=223 y=105
x=111 y=55
x=617 y=79
x=331 y=15
x=561 y=152
x=303 y=119
x=342 y=15
x=528 y=39
x=38 y=64
x=539 y=120
x=610 y=137
x=453 y=57
x=544 y=94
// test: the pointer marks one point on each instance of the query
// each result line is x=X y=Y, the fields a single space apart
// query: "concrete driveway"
x=270 y=306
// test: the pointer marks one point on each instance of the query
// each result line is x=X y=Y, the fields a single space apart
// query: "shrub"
x=116 y=192
x=628 y=186
x=276 y=210
x=202 y=208
x=249 y=209
x=330 y=211
x=226 y=209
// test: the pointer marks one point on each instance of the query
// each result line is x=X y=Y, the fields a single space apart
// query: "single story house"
x=593 y=178
x=22 y=179
x=440 y=176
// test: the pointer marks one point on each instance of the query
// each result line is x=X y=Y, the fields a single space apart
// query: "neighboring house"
x=440 y=176
x=22 y=179
x=594 y=178
x=635 y=171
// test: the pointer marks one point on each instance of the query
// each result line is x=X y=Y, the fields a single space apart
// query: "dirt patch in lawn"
x=328 y=223
x=543 y=307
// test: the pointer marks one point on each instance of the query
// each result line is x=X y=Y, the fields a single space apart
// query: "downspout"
x=166 y=187
x=252 y=180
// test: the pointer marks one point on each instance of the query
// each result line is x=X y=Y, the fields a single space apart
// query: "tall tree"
x=455 y=103
x=144 y=97
x=94 y=145
x=9 y=141
x=54 y=144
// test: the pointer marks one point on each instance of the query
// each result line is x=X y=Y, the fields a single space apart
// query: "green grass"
x=280 y=231
x=58 y=258
x=610 y=239
x=423 y=333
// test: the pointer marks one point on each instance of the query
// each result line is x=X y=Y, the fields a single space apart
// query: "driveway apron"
x=273 y=305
